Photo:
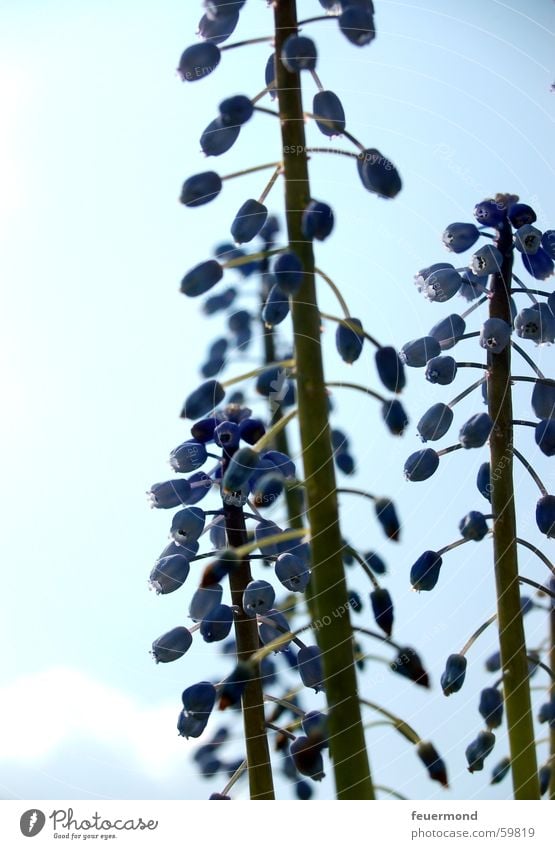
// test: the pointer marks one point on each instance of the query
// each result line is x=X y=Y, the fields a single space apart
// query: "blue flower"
x=357 y=24
x=395 y=417
x=219 y=29
x=520 y=214
x=448 y=331
x=309 y=663
x=490 y=213
x=349 y=340
x=421 y=465
x=500 y=770
x=545 y=436
x=382 y=607
x=327 y=105
x=486 y=260
x=536 y=323
x=386 y=515
x=539 y=265
x=248 y=221
x=435 y=422
x=170 y=493
x=390 y=368
x=495 y=335
x=424 y=573
x=378 y=174
x=204 y=600
x=433 y=763
x=459 y=237
x=408 y=664
x=188 y=456
x=475 y=432
x=169 y=574
x=292 y=572
x=258 y=597
x=217 y=624
x=172 y=646
x=203 y=400
x=453 y=677
x=201 y=278
x=545 y=515
x=307 y=758
x=473 y=526
x=198 y=61
x=441 y=285
x=543 y=399
x=478 y=750
x=491 y=707
x=442 y=370
x=236 y=110
x=187 y=524
x=417 y=352
x=298 y=53
x=317 y=220
x=528 y=239
x=201 y=188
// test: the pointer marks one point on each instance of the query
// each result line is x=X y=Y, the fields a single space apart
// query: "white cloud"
x=42 y=712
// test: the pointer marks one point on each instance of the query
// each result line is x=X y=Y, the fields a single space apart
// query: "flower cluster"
x=487 y=278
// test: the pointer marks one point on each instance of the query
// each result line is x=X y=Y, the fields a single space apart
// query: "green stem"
x=511 y=630
x=246 y=635
x=347 y=743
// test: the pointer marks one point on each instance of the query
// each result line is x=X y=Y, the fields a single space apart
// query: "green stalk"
x=516 y=686
x=329 y=591
x=246 y=635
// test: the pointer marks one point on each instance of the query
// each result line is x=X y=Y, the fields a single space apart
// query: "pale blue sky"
x=99 y=350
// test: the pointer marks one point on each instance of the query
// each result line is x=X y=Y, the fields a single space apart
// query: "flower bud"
x=198 y=61
x=172 y=645
x=390 y=368
x=459 y=237
x=433 y=763
x=309 y=663
x=417 y=352
x=187 y=524
x=169 y=574
x=435 y=422
x=473 y=526
x=499 y=771
x=203 y=400
x=307 y=758
x=248 y=221
x=441 y=370
x=545 y=515
x=453 y=676
x=201 y=188
x=408 y=664
x=491 y=707
x=217 y=624
x=486 y=260
x=421 y=465
x=386 y=515
x=424 y=573
x=495 y=335
x=258 y=597
x=382 y=607
x=475 y=432
x=478 y=750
